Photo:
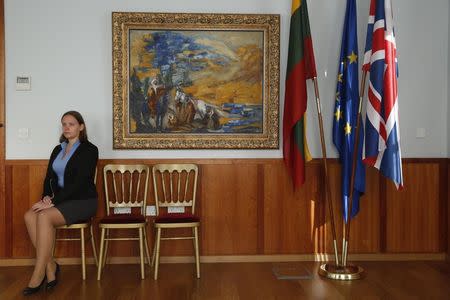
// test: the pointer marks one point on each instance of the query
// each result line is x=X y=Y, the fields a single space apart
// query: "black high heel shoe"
x=33 y=290
x=53 y=283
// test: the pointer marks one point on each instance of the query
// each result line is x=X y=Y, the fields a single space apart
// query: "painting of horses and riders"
x=194 y=82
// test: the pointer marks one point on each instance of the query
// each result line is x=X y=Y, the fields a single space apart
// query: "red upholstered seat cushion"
x=177 y=218
x=123 y=219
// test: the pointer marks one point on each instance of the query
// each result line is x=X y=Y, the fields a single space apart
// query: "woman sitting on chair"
x=69 y=196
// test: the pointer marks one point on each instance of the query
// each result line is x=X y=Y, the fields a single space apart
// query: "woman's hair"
x=83 y=134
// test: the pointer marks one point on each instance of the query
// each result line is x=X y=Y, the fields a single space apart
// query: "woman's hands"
x=45 y=203
x=47 y=200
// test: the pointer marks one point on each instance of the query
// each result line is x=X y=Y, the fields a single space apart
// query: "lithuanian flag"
x=301 y=66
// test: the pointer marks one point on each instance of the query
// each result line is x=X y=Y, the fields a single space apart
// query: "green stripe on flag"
x=299 y=32
x=299 y=137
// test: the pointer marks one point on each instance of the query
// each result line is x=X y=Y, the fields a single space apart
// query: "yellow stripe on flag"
x=308 y=156
x=295 y=5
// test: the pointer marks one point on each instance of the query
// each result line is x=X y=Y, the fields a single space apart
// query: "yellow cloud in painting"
x=237 y=82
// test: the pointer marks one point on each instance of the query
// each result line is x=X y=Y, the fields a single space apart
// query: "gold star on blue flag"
x=346 y=111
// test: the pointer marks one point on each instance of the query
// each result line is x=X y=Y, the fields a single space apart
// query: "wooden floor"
x=384 y=280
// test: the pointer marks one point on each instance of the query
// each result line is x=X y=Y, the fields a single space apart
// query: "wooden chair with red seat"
x=175 y=186
x=126 y=188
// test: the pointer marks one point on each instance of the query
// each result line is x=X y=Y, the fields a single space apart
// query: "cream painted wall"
x=66 y=47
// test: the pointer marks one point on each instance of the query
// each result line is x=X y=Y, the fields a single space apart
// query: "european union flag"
x=346 y=112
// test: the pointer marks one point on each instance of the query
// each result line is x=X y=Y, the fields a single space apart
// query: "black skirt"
x=75 y=211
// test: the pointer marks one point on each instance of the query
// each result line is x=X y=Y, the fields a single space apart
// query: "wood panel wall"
x=248 y=207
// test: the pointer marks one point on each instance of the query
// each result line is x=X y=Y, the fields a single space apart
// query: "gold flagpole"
x=325 y=167
x=347 y=271
x=343 y=239
x=354 y=163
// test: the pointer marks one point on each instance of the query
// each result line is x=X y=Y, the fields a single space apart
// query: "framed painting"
x=195 y=81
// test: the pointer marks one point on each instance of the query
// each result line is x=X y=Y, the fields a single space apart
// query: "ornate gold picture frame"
x=195 y=81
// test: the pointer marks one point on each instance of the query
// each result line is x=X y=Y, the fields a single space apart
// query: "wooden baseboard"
x=242 y=258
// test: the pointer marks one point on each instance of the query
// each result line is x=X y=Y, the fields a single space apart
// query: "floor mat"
x=291 y=271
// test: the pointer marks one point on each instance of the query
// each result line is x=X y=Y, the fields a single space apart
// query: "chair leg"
x=106 y=247
x=101 y=252
x=141 y=251
x=146 y=247
x=158 y=240
x=54 y=243
x=197 y=256
x=93 y=245
x=83 y=254
x=154 y=249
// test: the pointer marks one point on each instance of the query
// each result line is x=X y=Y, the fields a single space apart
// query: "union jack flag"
x=382 y=140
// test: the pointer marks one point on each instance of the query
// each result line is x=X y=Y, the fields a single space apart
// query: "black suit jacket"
x=78 y=175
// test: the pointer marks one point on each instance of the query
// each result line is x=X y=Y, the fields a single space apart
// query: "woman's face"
x=71 y=128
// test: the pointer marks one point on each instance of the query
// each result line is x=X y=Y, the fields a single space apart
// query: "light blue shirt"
x=60 y=162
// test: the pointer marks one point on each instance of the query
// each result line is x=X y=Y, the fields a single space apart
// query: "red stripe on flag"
x=294 y=161
x=378 y=40
x=310 y=63
x=374 y=101
x=370 y=160
x=389 y=79
x=382 y=131
x=295 y=96
x=372 y=7
x=294 y=111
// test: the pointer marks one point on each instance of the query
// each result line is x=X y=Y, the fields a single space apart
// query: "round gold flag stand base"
x=349 y=272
